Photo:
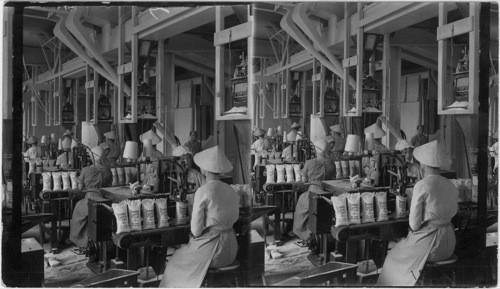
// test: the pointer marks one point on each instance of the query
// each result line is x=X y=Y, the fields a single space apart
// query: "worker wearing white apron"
x=261 y=144
x=431 y=237
x=35 y=151
x=314 y=170
x=212 y=243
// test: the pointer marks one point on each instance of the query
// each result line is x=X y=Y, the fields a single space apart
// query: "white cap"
x=432 y=154
x=155 y=139
x=213 y=160
x=376 y=130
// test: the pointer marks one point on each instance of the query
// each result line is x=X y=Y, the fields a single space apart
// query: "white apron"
x=214 y=248
x=215 y=210
x=432 y=238
x=406 y=260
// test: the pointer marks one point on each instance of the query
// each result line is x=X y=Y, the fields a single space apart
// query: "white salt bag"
x=338 y=170
x=128 y=175
x=148 y=214
x=121 y=214
x=367 y=211
x=270 y=172
x=181 y=212
x=280 y=170
x=340 y=208
x=298 y=172
x=47 y=181
x=134 y=215
x=289 y=173
x=66 y=181
x=400 y=207
x=56 y=176
x=381 y=206
x=121 y=175
x=115 y=177
x=161 y=213
x=354 y=208
x=74 y=181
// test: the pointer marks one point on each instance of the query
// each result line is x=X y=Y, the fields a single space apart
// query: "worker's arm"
x=199 y=211
x=417 y=205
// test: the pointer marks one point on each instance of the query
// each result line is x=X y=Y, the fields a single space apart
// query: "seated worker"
x=338 y=142
x=378 y=133
x=193 y=144
x=65 y=159
x=431 y=237
x=261 y=144
x=149 y=171
x=91 y=179
x=194 y=177
x=35 y=151
x=413 y=168
x=212 y=243
x=315 y=170
x=420 y=138
x=114 y=149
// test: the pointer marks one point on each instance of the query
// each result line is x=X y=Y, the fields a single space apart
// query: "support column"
x=169 y=97
x=392 y=100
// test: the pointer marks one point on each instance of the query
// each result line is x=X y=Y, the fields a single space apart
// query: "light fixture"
x=352 y=144
x=131 y=151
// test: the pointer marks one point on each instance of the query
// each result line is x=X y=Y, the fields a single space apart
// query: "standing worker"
x=212 y=242
x=420 y=138
x=431 y=237
x=194 y=145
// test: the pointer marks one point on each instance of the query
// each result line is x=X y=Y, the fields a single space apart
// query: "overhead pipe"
x=75 y=26
x=62 y=33
x=289 y=26
x=299 y=16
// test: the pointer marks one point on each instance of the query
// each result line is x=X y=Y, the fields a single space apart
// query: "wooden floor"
x=72 y=268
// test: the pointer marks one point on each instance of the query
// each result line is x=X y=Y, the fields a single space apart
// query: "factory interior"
x=286 y=144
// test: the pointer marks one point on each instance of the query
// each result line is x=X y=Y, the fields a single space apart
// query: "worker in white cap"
x=413 y=168
x=261 y=144
x=114 y=148
x=431 y=237
x=315 y=170
x=91 y=179
x=378 y=133
x=35 y=151
x=337 y=141
x=194 y=178
x=149 y=172
x=212 y=243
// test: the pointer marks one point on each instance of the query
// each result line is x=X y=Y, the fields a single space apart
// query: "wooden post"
x=482 y=157
x=219 y=77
